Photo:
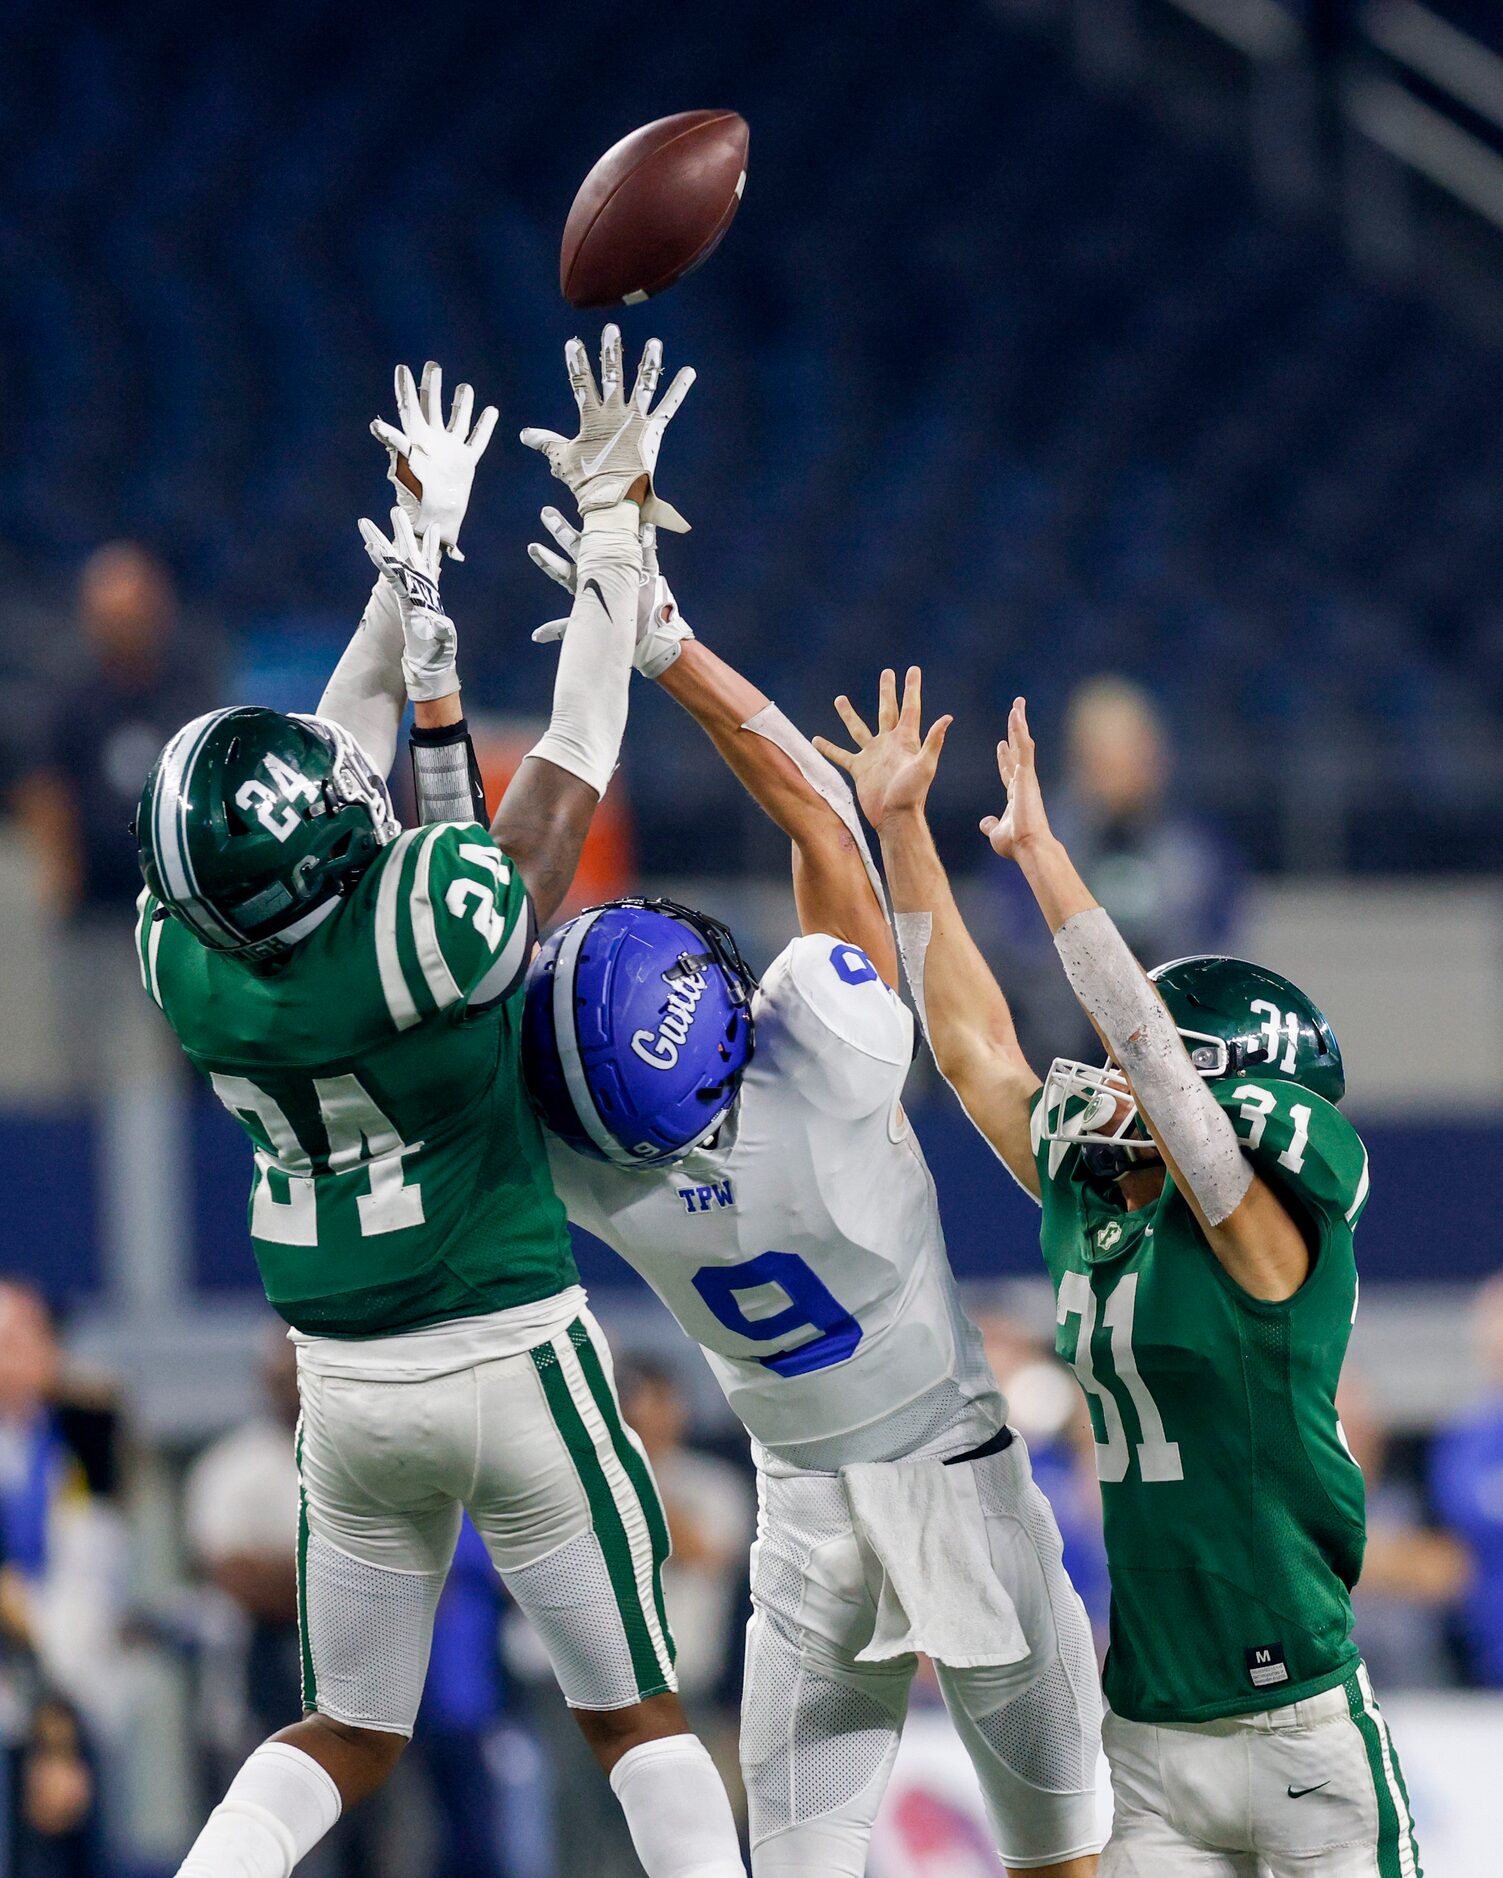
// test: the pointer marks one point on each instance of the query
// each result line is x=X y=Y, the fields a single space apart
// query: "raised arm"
x=608 y=466
x=404 y=645
x=833 y=886
x=836 y=886
x=1246 y=1224
x=960 y=1003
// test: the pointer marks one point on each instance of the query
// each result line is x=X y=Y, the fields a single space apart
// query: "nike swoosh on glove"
x=661 y=628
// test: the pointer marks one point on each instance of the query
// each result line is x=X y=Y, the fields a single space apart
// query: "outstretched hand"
x=892 y=770
x=1023 y=820
x=433 y=463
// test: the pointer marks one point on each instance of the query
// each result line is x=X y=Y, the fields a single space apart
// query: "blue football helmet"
x=637 y=1030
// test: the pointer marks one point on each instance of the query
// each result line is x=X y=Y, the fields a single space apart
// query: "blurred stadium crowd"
x=500 y=1784
x=1010 y=364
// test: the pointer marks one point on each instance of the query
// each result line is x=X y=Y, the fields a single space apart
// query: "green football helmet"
x=1243 y=1020
x=253 y=823
x=1237 y=1019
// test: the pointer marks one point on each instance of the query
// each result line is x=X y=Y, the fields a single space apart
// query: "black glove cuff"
x=445 y=776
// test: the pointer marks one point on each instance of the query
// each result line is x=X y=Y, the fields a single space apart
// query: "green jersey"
x=1233 y=1507
x=400 y=1177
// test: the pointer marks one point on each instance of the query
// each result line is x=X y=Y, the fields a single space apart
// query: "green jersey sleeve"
x=1055 y=1160
x=1302 y=1145
x=454 y=926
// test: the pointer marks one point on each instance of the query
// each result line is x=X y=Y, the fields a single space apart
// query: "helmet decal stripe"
x=400 y=1003
x=567 y=1042
x=170 y=826
x=440 y=981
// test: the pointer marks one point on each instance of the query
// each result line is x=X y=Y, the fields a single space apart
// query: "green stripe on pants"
x=310 y=1682
x=1389 y=1862
x=605 y=1516
x=637 y=1470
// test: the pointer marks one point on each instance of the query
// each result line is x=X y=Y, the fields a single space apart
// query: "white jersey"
x=803 y=1251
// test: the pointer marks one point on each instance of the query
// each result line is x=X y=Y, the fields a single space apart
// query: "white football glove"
x=619 y=437
x=409 y=569
x=661 y=628
x=442 y=459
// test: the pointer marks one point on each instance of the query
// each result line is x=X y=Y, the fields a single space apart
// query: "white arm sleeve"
x=594 y=662
x=367 y=693
x=822 y=777
x=914 y=931
x=1142 y=1037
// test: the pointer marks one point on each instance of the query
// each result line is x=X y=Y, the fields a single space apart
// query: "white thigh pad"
x=818 y=1735
x=1032 y=1729
x=568 y=1599
x=366 y=1637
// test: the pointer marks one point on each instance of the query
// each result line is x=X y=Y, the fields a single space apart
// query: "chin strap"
x=446 y=777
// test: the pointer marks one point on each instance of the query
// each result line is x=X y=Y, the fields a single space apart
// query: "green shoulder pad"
x=1300 y=1142
x=453 y=926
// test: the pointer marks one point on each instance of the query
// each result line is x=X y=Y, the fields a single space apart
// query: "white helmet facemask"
x=1093 y=1104
x=355 y=778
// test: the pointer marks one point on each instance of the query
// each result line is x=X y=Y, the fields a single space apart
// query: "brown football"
x=653 y=208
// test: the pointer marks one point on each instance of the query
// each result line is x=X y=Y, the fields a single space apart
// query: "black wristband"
x=440 y=734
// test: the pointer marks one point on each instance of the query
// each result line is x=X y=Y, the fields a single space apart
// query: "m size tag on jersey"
x=1266 y=1666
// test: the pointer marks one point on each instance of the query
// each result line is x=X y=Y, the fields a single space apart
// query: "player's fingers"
x=403 y=539
x=611 y=370
x=853 y=721
x=989 y=826
x=935 y=741
x=408 y=409
x=1022 y=736
x=674 y=396
x=431 y=394
x=648 y=374
x=480 y=436
x=389 y=436
x=581 y=378
x=833 y=752
x=549 y=631
x=551 y=564
x=545 y=440
x=562 y=531
x=912 y=713
x=464 y=405
x=887 y=700
x=376 y=544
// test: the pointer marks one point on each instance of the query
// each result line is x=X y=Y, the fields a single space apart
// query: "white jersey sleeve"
x=852 y=1033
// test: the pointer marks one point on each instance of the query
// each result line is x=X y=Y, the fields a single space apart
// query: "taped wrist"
x=1141 y=1035
x=594 y=662
x=446 y=777
x=822 y=777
